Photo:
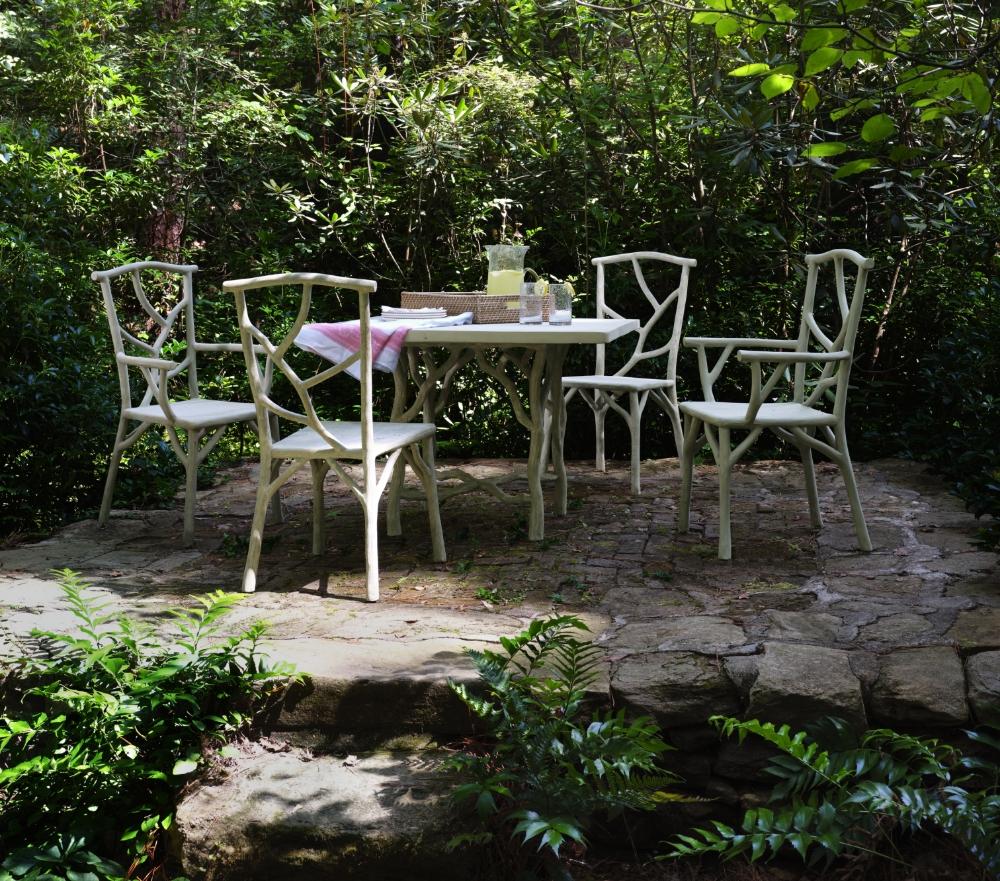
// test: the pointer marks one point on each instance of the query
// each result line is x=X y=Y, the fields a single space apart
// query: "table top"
x=581 y=330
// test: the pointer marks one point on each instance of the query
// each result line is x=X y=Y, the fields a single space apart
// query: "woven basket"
x=485 y=308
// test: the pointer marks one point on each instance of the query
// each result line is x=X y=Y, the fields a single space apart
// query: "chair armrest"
x=711 y=342
x=708 y=375
x=749 y=355
x=760 y=391
x=142 y=361
x=158 y=387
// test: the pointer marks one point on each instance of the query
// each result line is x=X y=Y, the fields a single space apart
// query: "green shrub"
x=839 y=794
x=111 y=721
x=550 y=762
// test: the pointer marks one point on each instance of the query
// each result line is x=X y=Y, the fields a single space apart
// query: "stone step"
x=267 y=815
x=370 y=668
x=385 y=670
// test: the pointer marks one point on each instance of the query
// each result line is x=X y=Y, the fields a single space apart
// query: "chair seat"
x=306 y=443
x=195 y=413
x=733 y=414
x=616 y=383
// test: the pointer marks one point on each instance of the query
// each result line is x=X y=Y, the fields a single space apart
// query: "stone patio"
x=799 y=624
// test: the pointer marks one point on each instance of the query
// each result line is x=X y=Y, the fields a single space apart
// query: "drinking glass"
x=532 y=297
x=560 y=304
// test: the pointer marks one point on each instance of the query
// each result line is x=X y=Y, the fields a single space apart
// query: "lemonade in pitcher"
x=506 y=269
x=504 y=281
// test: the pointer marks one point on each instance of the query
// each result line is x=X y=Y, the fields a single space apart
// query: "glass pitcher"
x=506 y=269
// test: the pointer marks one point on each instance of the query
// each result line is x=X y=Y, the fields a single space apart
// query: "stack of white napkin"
x=395 y=313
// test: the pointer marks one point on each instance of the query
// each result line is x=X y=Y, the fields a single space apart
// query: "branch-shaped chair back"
x=809 y=389
x=257 y=347
x=677 y=299
x=163 y=326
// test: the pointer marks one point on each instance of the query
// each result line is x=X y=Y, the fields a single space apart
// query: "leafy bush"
x=381 y=140
x=838 y=794
x=550 y=763
x=112 y=720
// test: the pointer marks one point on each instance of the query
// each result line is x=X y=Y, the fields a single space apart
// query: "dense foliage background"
x=393 y=140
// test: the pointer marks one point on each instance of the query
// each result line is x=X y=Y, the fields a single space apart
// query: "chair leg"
x=257 y=527
x=860 y=527
x=319 y=469
x=429 y=480
x=675 y=421
x=692 y=431
x=547 y=421
x=112 y=478
x=190 y=484
x=805 y=452
x=634 y=427
x=369 y=503
x=393 y=519
x=725 y=534
x=274 y=513
x=600 y=413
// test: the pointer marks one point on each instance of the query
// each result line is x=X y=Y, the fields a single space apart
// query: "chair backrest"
x=809 y=388
x=162 y=324
x=256 y=345
x=677 y=298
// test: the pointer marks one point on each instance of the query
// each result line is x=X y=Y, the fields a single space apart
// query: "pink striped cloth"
x=339 y=341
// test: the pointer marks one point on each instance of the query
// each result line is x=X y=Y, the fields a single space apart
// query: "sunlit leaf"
x=817 y=38
x=853 y=107
x=855 y=167
x=184 y=766
x=777 y=84
x=726 y=25
x=932 y=113
x=878 y=128
x=828 y=148
x=783 y=12
x=822 y=59
x=750 y=70
x=977 y=92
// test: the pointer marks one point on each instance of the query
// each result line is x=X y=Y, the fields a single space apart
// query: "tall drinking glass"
x=532 y=297
x=560 y=303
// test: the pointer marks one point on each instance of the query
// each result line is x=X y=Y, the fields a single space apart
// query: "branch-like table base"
x=526 y=362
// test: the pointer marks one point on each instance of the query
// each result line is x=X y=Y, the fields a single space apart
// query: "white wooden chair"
x=320 y=443
x=602 y=390
x=199 y=418
x=822 y=370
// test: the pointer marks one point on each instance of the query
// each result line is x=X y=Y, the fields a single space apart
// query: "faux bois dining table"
x=526 y=360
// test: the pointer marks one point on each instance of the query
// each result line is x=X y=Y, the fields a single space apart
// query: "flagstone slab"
x=920 y=686
x=803 y=683
x=983 y=673
x=818 y=628
x=977 y=629
x=312 y=818
x=676 y=688
x=899 y=629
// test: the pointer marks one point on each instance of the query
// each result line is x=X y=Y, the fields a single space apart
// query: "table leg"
x=537 y=388
x=401 y=381
x=557 y=423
